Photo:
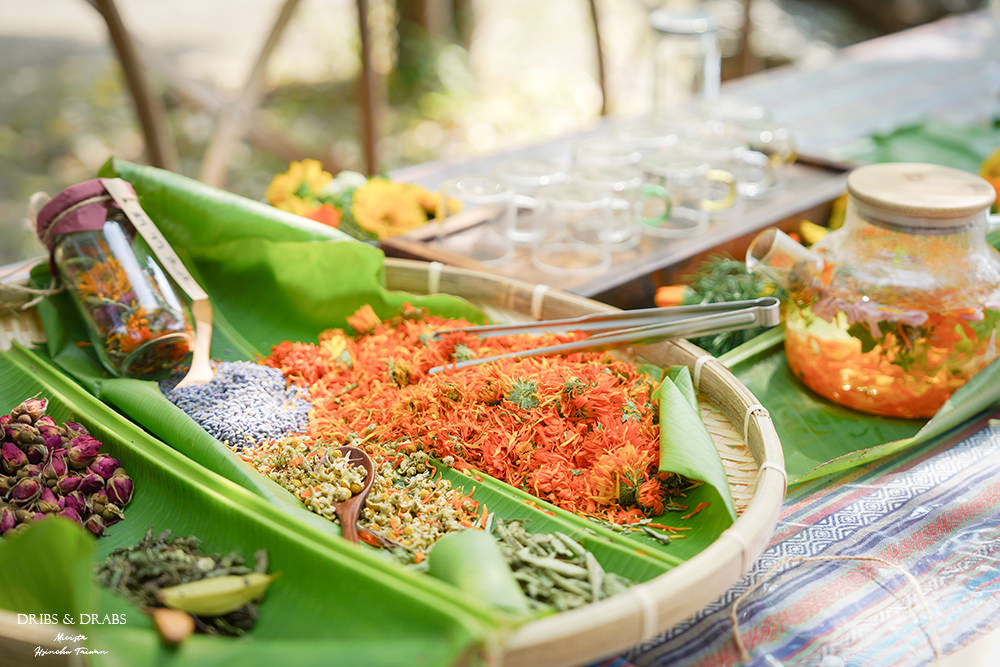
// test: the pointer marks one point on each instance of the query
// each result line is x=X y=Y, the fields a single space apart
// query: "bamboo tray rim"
x=626 y=620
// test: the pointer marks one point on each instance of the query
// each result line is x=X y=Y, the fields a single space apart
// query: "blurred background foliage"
x=461 y=77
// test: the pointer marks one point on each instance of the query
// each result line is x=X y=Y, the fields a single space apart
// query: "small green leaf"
x=524 y=394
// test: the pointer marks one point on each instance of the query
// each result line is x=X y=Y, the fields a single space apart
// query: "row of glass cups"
x=574 y=221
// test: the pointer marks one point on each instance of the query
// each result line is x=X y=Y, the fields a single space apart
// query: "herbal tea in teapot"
x=893 y=312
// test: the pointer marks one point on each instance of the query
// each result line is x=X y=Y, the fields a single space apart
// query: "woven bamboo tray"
x=740 y=426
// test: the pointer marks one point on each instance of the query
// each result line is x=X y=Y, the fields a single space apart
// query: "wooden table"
x=947 y=67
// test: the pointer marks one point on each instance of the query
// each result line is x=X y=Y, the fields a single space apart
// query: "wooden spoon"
x=348 y=510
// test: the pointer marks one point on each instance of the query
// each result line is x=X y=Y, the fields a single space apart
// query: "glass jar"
x=137 y=324
x=893 y=312
x=686 y=58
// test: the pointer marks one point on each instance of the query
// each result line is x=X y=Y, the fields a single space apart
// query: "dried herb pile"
x=578 y=430
x=51 y=469
x=140 y=572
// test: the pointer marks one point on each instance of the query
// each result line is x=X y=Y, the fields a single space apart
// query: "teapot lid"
x=940 y=195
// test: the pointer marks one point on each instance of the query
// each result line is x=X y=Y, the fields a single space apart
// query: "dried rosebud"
x=74 y=500
x=98 y=502
x=94 y=524
x=47 y=502
x=12 y=456
x=37 y=453
x=82 y=450
x=68 y=483
x=104 y=465
x=90 y=483
x=6 y=484
x=5 y=419
x=31 y=470
x=55 y=469
x=74 y=430
x=38 y=516
x=120 y=488
x=7 y=519
x=54 y=441
x=48 y=427
x=25 y=491
x=33 y=408
x=22 y=515
x=71 y=513
x=112 y=514
x=23 y=434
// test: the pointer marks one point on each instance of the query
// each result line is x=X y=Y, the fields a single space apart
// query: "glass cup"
x=764 y=135
x=604 y=151
x=574 y=218
x=687 y=59
x=657 y=131
x=694 y=188
x=724 y=146
x=524 y=178
x=630 y=199
x=485 y=198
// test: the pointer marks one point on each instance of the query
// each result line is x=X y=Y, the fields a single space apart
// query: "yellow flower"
x=297 y=190
x=430 y=201
x=386 y=208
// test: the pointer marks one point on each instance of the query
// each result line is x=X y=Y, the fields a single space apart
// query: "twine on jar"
x=18 y=297
x=745 y=655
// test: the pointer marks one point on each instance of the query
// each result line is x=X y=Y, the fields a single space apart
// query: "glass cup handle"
x=727 y=179
x=658 y=192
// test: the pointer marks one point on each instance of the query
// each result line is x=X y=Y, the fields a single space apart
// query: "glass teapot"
x=894 y=311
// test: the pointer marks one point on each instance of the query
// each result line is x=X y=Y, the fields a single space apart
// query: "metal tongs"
x=629 y=327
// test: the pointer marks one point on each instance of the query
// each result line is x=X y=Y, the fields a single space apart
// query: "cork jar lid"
x=940 y=195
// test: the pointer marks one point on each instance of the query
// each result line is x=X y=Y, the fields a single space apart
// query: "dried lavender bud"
x=68 y=483
x=12 y=456
x=47 y=502
x=33 y=408
x=7 y=519
x=90 y=483
x=37 y=453
x=94 y=524
x=82 y=450
x=71 y=513
x=25 y=491
x=104 y=465
x=119 y=488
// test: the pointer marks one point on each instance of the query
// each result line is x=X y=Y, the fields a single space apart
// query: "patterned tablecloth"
x=935 y=512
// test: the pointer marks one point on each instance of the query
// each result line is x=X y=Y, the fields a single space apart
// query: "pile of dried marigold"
x=577 y=430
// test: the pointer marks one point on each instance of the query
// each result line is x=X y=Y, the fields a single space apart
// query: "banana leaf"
x=819 y=437
x=333 y=601
x=962 y=146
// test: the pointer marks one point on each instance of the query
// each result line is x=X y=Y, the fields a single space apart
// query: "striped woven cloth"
x=934 y=512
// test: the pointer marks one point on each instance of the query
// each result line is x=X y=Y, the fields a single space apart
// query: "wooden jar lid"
x=941 y=195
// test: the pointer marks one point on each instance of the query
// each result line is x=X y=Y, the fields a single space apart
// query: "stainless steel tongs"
x=629 y=327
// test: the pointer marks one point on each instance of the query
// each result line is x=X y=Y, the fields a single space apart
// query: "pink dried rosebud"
x=71 y=513
x=120 y=488
x=68 y=483
x=74 y=430
x=82 y=450
x=12 y=456
x=112 y=514
x=7 y=519
x=74 y=500
x=90 y=483
x=94 y=524
x=98 y=501
x=33 y=407
x=47 y=502
x=104 y=465
x=37 y=453
x=25 y=491
x=54 y=441
x=55 y=469
x=48 y=427
x=32 y=470
x=38 y=516
x=23 y=434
